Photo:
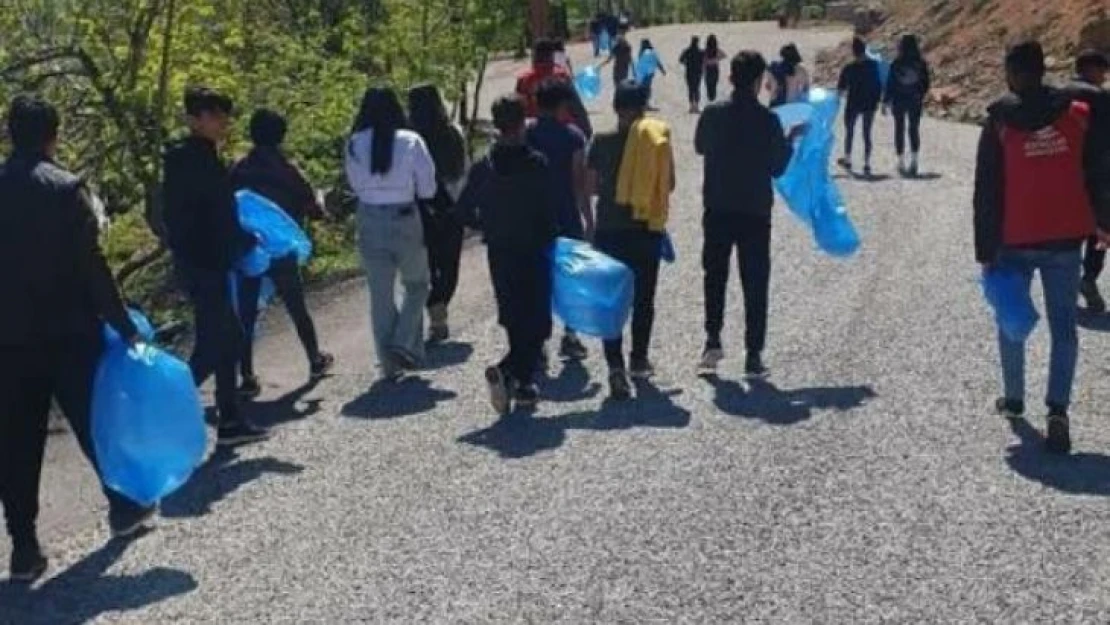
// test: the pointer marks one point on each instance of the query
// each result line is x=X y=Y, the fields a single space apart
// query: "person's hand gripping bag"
x=147 y=422
x=590 y=291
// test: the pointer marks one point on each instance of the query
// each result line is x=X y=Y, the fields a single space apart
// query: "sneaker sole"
x=243 y=439
x=498 y=391
x=31 y=576
x=642 y=375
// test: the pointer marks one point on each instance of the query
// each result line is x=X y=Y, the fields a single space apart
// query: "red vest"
x=1046 y=196
x=529 y=82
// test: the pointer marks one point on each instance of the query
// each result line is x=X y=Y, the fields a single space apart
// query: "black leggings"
x=639 y=250
x=443 y=234
x=850 y=118
x=693 y=88
x=910 y=112
x=712 y=78
x=287 y=282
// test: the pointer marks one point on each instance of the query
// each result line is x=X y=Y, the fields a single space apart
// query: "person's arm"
x=95 y=274
x=926 y=80
x=988 y=197
x=781 y=148
x=659 y=64
x=467 y=207
x=581 y=115
x=701 y=134
x=423 y=170
x=306 y=195
x=581 y=188
x=592 y=186
x=844 y=84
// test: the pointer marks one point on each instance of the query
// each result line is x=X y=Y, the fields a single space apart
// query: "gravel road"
x=864 y=481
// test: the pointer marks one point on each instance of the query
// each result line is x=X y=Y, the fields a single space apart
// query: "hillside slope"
x=965 y=41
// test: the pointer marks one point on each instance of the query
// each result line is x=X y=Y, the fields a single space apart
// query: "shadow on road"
x=572 y=384
x=446 y=355
x=392 y=400
x=221 y=475
x=761 y=399
x=83 y=593
x=520 y=436
x=924 y=177
x=1077 y=474
x=284 y=409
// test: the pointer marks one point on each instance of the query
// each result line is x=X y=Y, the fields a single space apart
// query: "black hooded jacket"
x=1032 y=111
x=508 y=197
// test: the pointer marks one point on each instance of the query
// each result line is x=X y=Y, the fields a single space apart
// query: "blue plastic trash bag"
x=279 y=236
x=806 y=186
x=590 y=292
x=666 y=249
x=588 y=83
x=1007 y=291
x=884 y=66
x=604 y=42
x=147 y=423
x=646 y=66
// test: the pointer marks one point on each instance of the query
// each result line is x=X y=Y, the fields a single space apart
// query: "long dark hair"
x=712 y=49
x=791 y=58
x=909 y=49
x=645 y=45
x=429 y=119
x=381 y=113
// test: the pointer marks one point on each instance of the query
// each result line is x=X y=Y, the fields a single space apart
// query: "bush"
x=813 y=12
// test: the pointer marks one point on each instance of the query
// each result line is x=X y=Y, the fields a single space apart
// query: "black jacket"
x=57 y=285
x=745 y=148
x=267 y=172
x=908 y=84
x=1032 y=111
x=202 y=221
x=508 y=197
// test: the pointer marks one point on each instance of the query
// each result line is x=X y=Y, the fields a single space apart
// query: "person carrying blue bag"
x=631 y=172
x=508 y=197
x=267 y=171
x=745 y=148
x=207 y=241
x=50 y=324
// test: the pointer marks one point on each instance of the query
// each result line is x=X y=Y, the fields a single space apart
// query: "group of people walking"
x=1042 y=191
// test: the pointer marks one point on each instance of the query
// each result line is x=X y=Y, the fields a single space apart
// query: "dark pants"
x=443 y=234
x=522 y=286
x=693 y=88
x=712 y=78
x=219 y=335
x=30 y=376
x=850 y=118
x=287 y=282
x=1094 y=260
x=751 y=236
x=907 y=114
x=639 y=250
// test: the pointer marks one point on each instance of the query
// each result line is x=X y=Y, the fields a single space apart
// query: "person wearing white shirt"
x=390 y=170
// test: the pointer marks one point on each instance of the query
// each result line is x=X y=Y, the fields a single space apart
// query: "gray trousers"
x=391 y=242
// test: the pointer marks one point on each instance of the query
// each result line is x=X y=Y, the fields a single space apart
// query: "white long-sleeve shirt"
x=412 y=176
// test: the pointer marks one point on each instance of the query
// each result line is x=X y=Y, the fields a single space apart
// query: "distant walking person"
x=1038 y=196
x=508 y=196
x=390 y=170
x=620 y=55
x=57 y=294
x=204 y=235
x=443 y=233
x=694 y=60
x=745 y=148
x=267 y=171
x=860 y=84
x=1091 y=68
x=713 y=57
x=788 y=80
x=632 y=175
x=648 y=79
x=905 y=94
x=564 y=147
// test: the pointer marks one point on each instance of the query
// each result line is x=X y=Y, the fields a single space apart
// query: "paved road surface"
x=865 y=481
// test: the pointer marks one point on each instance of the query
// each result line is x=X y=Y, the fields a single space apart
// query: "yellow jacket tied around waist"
x=646 y=174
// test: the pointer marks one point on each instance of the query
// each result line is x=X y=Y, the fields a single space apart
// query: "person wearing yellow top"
x=631 y=172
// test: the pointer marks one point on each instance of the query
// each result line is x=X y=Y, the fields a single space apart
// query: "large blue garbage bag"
x=1007 y=292
x=147 y=421
x=590 y=292
x=646 y=66
x=279 y=236
x=806 y=186
x=588 y=83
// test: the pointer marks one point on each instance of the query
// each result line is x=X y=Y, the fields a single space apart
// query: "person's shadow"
x=1076 y=474
x=761 y=399
x=572 y=384
x=285 y=408
x=392 y=400
x=447 y=354
x=518 y=435
x=220 y=476
x=83 y=593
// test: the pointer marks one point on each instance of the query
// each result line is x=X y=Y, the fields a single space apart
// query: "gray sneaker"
x=710 y=359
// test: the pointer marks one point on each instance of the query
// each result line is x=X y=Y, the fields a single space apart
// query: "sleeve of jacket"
x=581 y=116
x=1097 y=159
x=305 y=193
x=701 y=133
x=926 y=80
x=466 y=209
x=988 y=195
x=888 y=89
x=781 y=149
x=96 y=276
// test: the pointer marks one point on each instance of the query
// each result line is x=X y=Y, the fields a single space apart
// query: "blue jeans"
x=1060 y=279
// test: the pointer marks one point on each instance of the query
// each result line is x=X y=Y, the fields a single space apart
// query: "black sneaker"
x=250 y=388
x=527 y=397
x=321 y=365
x=572 y=348
x=710 y=359
x=27 y=562
x=620 y=389
x=499 y=395
x=641 y=369
x=1089 y=290
x=753 y=366
x=1058 y=440
x=845 y=163
x=240 y=432
x=127 y=520
x=1009 y=408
